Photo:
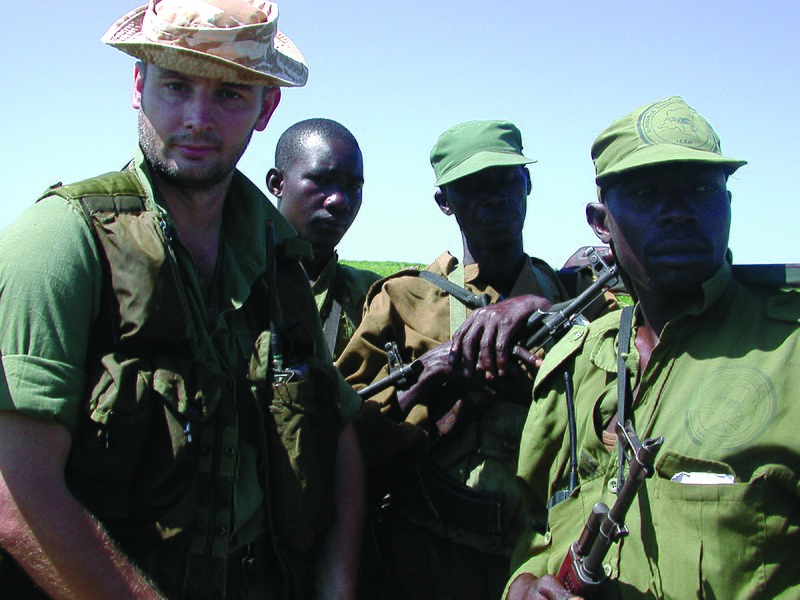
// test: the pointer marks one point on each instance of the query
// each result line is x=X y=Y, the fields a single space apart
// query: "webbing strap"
x=458 y=310
x=623 y=387
x=458 y=291
x=331 y=326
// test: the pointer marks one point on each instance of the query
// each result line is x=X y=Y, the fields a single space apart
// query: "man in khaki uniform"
x=454 y=507
x=317 y=179
x=711 y=366
x=172 y=423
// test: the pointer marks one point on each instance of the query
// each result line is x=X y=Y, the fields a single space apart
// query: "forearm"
x=339 y=552
x=70 y=556
x=46 y=530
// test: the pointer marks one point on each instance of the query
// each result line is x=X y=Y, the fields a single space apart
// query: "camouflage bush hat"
x=665 y=131
x=236 y=41
x=476 y=145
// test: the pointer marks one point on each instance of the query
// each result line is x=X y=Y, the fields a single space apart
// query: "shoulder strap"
x=623 y=381
x=458 y=310
x=459 y=292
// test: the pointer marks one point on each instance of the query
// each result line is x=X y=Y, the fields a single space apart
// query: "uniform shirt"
x=415 y=314
x=721 y=387
x=348 y=286
x=50 y=288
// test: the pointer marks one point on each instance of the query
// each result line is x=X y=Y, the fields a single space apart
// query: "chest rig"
x=158 y=450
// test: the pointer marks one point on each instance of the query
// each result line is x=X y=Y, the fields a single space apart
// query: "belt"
x=460 y=505
x=251 y=563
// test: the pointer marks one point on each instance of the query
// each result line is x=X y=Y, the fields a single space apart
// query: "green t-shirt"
x=50 y=290
x=49 y=296
x=721 y=387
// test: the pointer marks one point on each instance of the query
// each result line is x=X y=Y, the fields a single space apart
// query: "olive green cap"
x=470 y=147
x=660 y=132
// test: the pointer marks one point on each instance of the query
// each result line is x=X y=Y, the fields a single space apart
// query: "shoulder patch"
x=784 y=306
x=562 y=350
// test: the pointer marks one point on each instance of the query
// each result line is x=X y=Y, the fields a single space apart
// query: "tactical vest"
x=156 y=454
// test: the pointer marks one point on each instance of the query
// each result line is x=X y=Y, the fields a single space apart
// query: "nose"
x=199 y=113
x=678 y=208
x=337 y=201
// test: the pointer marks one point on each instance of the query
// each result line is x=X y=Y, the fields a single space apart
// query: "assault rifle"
x=541 y=327
x=400 y=375
x=582 y=570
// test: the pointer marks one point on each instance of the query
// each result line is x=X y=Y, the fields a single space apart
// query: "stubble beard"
x=153 y=148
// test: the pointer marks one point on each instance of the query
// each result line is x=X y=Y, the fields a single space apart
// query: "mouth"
x=680 y=251
x=195 y=151
x=336 y=225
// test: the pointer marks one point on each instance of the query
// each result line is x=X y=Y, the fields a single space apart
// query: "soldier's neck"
x=499 y=267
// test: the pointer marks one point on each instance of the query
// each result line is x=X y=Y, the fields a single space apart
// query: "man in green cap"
x=453 y=507
x=709 y=364
x=172 y=423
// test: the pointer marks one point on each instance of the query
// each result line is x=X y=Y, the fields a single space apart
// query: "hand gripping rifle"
x=582 y=571
x=541 y=326
x=554 y=322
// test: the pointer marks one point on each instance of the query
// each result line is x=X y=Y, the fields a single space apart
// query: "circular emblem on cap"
x=731 y=407
x=672 y=121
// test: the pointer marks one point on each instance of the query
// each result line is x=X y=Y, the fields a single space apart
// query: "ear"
x=597 y=216
x=275 y=183
x=530 y=181
x=138 y=86
x=268 y=105
x=441 y=199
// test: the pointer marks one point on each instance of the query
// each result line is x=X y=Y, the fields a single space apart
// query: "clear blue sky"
x=399 y=73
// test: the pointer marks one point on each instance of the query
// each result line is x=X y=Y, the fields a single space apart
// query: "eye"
x=175 y=86
x=641 y=191
x=707 y=187
x=230 y=94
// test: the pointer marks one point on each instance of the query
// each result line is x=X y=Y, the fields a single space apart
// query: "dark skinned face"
x=669 y=225
x=320 y=193
x=489 y=205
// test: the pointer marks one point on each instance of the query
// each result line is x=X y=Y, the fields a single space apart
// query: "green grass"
x=381 y=267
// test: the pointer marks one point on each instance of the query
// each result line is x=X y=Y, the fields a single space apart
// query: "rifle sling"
x=331 y=326
x=462 y=294
x=623 y=382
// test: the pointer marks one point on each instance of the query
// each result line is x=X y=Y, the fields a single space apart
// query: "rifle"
x=541 y=327
x=582 y=570
x=399 y=375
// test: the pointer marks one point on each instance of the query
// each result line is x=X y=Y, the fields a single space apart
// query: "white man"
x=172 y=424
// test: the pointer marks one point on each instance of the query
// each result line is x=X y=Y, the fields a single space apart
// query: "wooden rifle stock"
x=582 y=571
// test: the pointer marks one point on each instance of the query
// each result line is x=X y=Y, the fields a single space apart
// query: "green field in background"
x=381 y=267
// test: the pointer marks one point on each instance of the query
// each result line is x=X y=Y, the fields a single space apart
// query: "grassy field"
x=382 y=268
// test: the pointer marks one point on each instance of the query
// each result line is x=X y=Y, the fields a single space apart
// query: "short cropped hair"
x=291 y=142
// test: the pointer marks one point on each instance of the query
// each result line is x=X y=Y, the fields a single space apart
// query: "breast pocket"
x=726 y=540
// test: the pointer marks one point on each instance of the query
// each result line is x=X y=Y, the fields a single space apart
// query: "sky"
x=398 y=74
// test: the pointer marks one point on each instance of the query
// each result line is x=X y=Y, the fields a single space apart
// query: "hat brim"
x=667 y=153
x=479 y=162
x=126 y=35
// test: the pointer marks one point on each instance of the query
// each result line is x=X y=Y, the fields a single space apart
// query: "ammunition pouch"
x=458 y=505
x=302 y=431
